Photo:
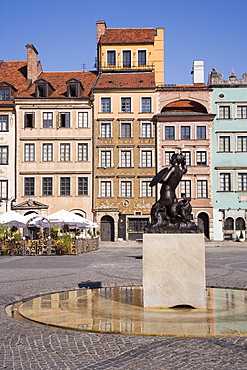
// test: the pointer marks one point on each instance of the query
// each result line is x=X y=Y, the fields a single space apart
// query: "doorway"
x=203 y=223
x=107 y=228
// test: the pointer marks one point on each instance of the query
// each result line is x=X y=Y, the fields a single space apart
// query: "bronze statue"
x=168 y=215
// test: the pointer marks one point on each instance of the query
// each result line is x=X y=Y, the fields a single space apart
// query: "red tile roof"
x=127 y=35
x=58 y=81
x=125 y=80
x=14 y=73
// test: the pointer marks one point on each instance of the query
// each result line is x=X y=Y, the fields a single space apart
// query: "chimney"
x=100 y=29
x=198 y=72
x=33 y=65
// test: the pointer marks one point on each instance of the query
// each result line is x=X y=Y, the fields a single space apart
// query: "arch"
x=229 y=223
x=203 y=223
x=30 y=212
x=240 y=223
x=107 y=228
x=79 y=212
x=184 y=106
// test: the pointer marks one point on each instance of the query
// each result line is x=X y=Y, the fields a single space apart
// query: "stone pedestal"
x=174 y=270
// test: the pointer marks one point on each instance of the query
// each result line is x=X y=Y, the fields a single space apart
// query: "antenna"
x=83 y=67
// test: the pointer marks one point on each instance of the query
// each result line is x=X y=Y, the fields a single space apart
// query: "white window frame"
x=81 y=121
x=47 y=112
x=111 y=187
x=241 y=106
x=85 y=158
x=42 y=178
x=224 y=105
x=125 y=180
x=66 y=145
x=150 y=189
x=120 y=129
x=106 y=123
x=230 y=179
x=237 y=178
x=151 y=104
x=104 y=150
x=224 y=134
x=120 y=157
x=241 y=136
x=77 y=185
x=205 y=181
x=110 y=99
x=141 y=129
x=141 y=157
x=24 y=152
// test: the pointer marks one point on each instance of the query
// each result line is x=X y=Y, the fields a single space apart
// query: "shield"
x=159 y=176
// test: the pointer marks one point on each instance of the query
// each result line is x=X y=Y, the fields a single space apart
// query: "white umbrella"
x=62 y=218
x=12 y=218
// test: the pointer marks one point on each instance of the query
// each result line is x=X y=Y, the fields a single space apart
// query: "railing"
x=47 y=247
x=122 y=66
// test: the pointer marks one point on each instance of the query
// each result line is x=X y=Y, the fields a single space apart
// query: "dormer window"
x=5 y=94
x=74 y=88
x=7 y=91
x=43 y=89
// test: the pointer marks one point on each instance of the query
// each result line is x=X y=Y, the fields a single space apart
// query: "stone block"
x=174 y=270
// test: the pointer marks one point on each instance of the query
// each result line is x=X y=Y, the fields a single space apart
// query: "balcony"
x=126 y=67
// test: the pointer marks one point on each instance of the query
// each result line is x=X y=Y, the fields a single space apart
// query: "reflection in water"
x=120 y=310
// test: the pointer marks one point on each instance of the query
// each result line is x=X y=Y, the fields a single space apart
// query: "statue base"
x=174 y=270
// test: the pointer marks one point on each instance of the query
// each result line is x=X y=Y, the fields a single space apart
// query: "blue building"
x=229 y=146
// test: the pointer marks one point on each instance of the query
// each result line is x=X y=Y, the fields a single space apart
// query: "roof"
x=125 y=80
x=127 y=35
x=15 y=74
x=58 y=82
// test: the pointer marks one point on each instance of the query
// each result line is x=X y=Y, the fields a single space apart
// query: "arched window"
x=229 y=224
x=240 y=223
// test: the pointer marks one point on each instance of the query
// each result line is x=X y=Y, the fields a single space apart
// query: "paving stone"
x=27 y=346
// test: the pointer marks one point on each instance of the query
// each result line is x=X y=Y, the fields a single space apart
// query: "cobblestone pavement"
x=27 y=346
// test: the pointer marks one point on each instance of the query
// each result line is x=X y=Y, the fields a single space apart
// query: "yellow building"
x=130 y=64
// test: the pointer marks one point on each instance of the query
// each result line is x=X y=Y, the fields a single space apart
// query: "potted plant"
x=64 y=244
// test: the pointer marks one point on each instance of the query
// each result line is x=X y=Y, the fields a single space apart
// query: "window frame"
x=105 y=104
x=82 y=122
x=242 y=144
x=82 y=152
x=127 y=62
x=224 y=112
x=222 y=178
x=168 y=131
x=224 y=145
x=146 y=108
x=4 y=122
x=105 y=158
x=65 y=152
x=29 y=154
x=144 y=185
x=107 y=131
x=243 y=176
x=187 y=155
x=4 y=157
x=84 y=186
x=125 y=104
x=29 y=119
x=146 y=129
x=49 y=121
x=49 y=187
x=65 y=186
x=144 y=160
x=199 y=155
x=64 y=119
x=126 y=190
x=185 y=187
x=109 y=59
x=184 y=134
x=125 y=158
x=240 y=113
x=29 y=186
x=140 y=59
x=47 y=153
x=4 y=189
x=203 y=134
x=106 y=192
x=202 y=188
x=125 y=130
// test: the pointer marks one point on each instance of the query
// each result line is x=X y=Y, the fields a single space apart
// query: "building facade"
x=130 y=63
x=229 y=145
x=54 y=141
x=184 y=123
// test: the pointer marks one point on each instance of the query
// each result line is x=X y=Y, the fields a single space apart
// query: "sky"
x=64 y=32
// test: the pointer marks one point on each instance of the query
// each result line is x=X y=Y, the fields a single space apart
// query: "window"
x=146 y=105
x=65 y=119
x=3 y=189
x=168 y=156
x=224 y=112
x=82 y=119
x=41 y=90
x=146 y=158
x=126 y=189
x=126 y=129
x=65 y=186
x=242 y=111
x=105 y=105
x=202 y=189
x=169 y=132
x=137 y=224
x=225 y=184
x=82 y=152
x=105 y=130
x=125 y=158
x=105 y=160
x=242 y=182
x=229 y=224
x=4 y=154
x=4 y=126
x=29 y=120
x=185 y=132
x=5 y=94
x=125 y=105
x=146 y=190
x=64 y=152
x=201 y=132
x=126 y=59
x=105 y=189
x=242 y=143
x=240 y=223
x=201 y=158
x=82 y=185
x=224 y=144
x=47 y=152
x=111 y=57
x=187 y=158
x=185 y=188
x=29 y=186
x=47 y=186
x=73 y=90
x=29 y=152
x=142 y=57
x=47 y=120
x=146 y=129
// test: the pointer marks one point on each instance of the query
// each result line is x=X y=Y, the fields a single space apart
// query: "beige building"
x=54 y=141
x=130 y=63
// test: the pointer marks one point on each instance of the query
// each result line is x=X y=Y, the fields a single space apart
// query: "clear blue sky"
x=64 y=32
